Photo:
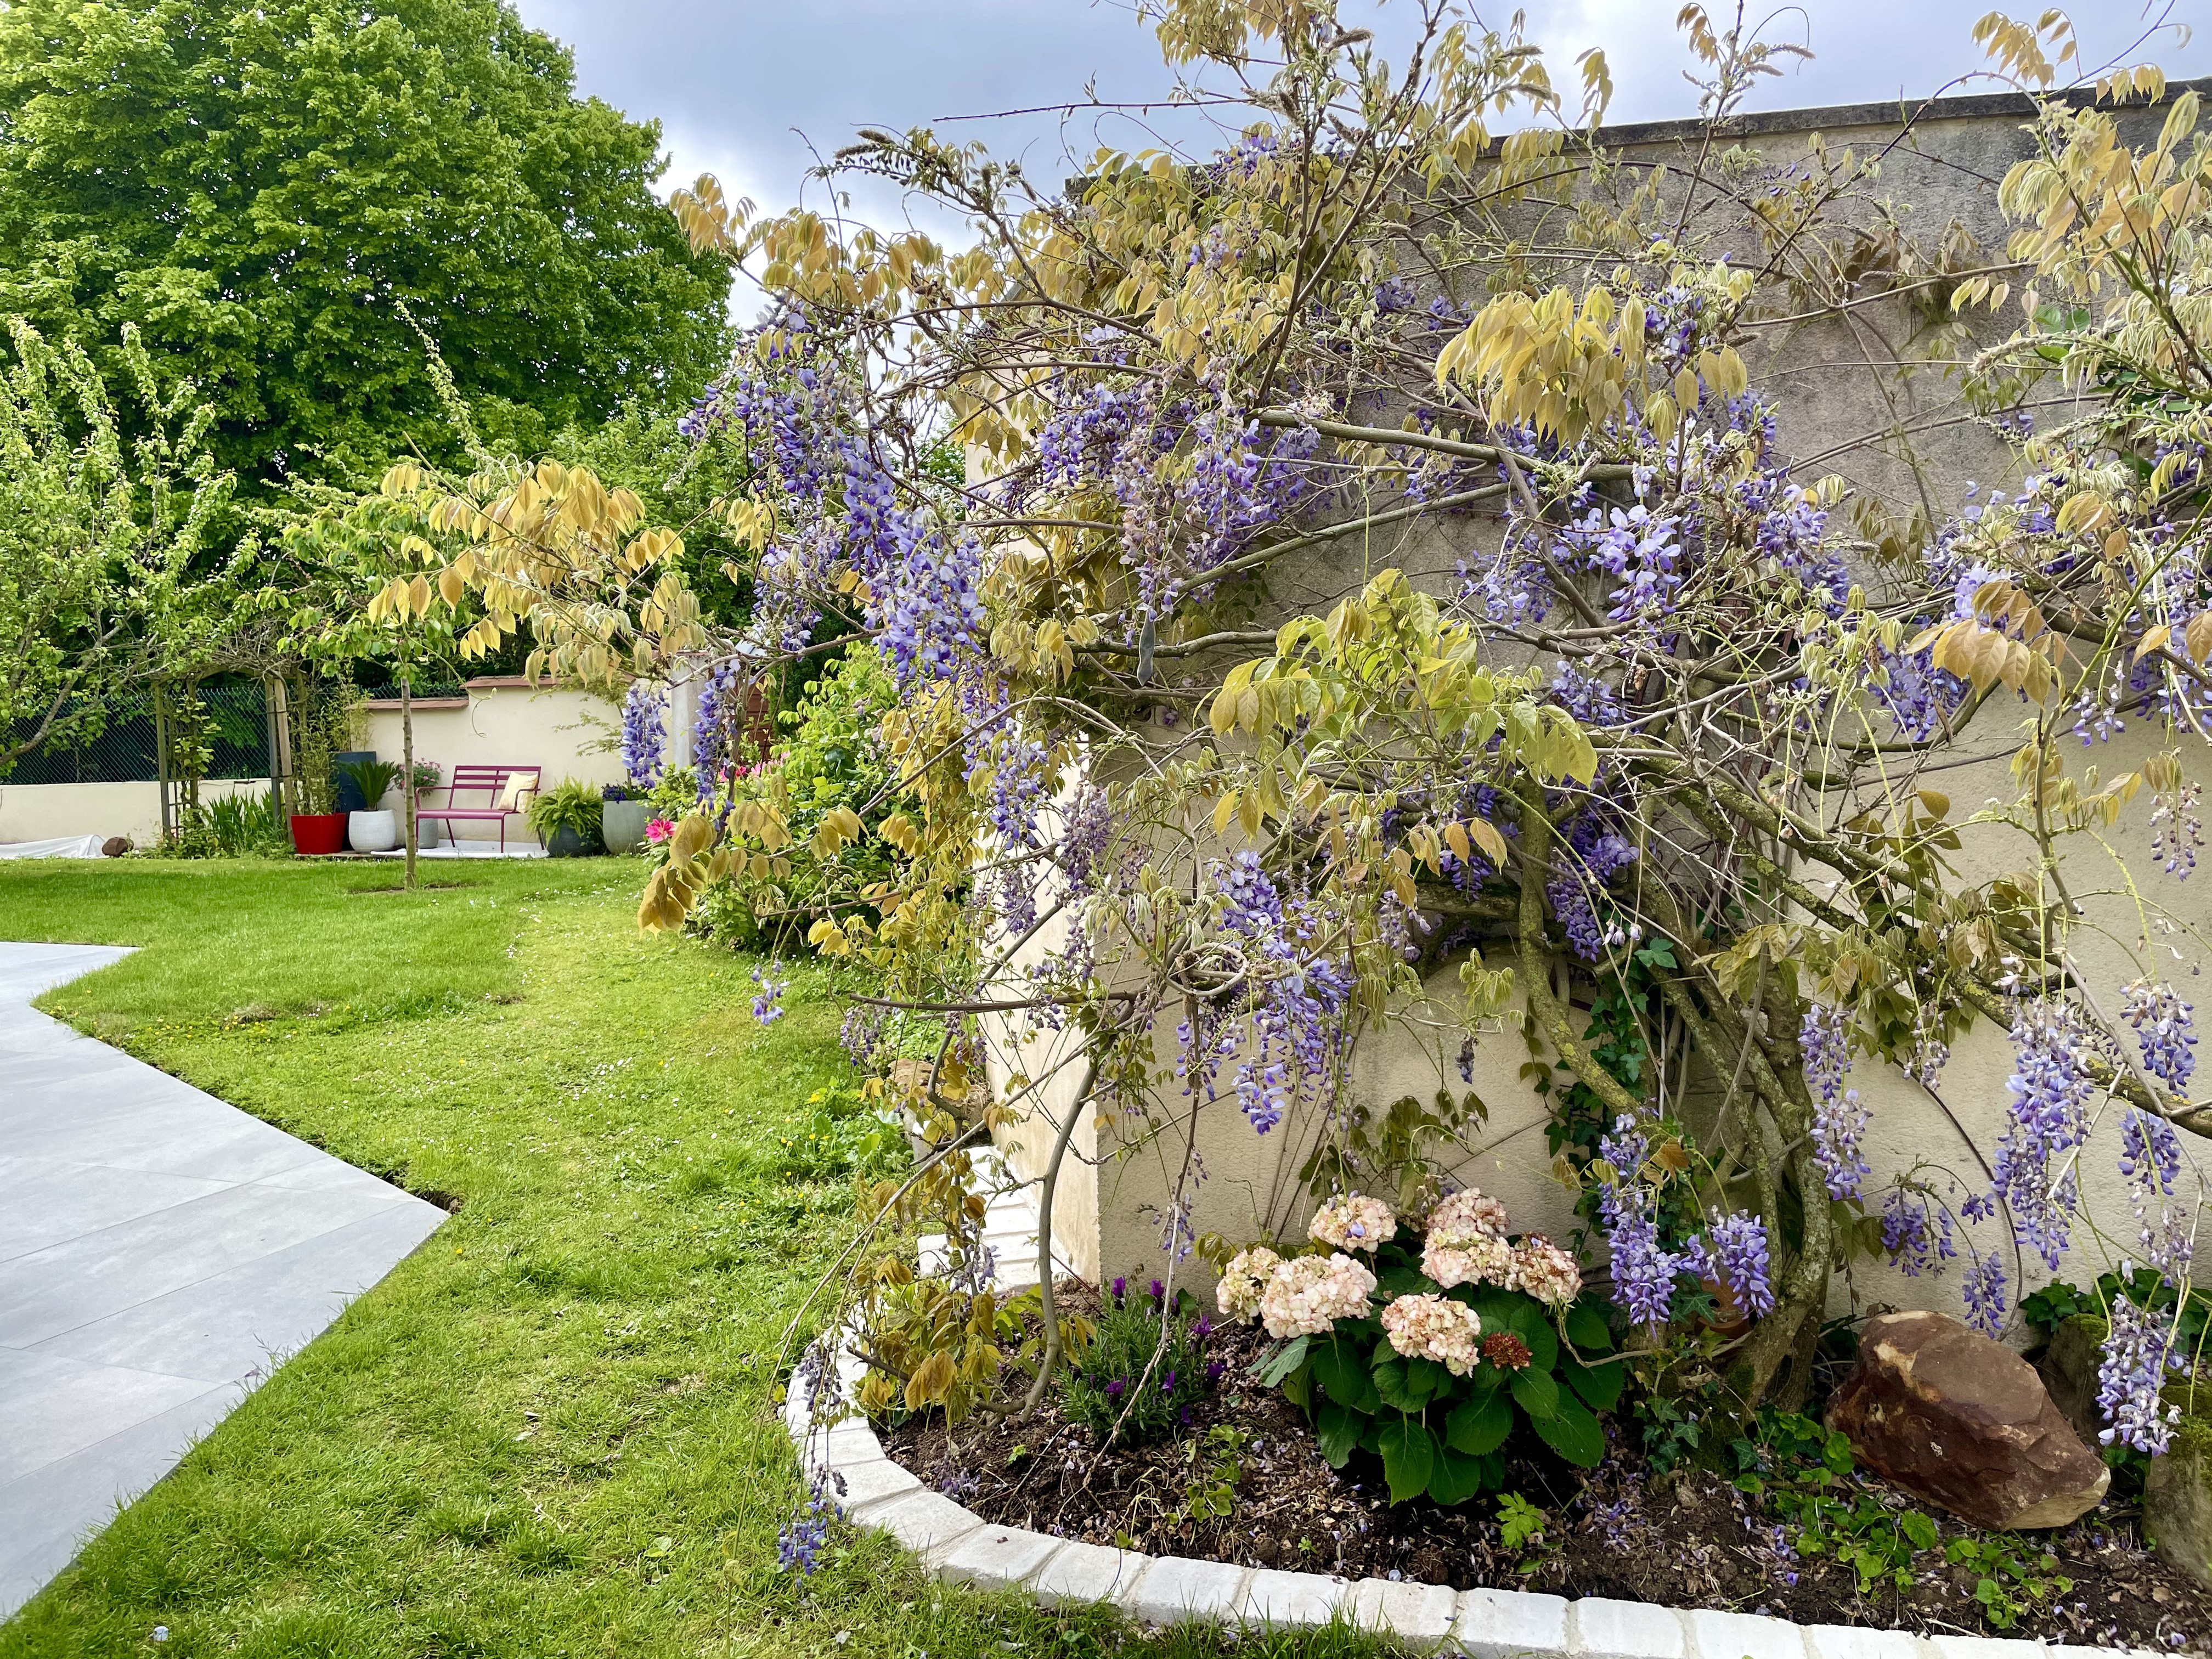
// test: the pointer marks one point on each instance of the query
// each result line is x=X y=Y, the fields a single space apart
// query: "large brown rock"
x=1964 y=1423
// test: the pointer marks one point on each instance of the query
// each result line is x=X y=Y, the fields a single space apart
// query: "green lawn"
x=553 y=1430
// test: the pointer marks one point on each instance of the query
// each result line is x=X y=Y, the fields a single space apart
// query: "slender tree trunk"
x=407 y=761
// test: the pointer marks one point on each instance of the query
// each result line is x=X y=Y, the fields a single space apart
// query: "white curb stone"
x=1419 y=1615
x=1601 y=1629
x=1284 y=1600
x=1174 y=1589
x=1744 y=1636
x=998 y=1557
x=1853 y=1642
x=1984 y=1647
x=954 y=1544
x=926 y=1523
x=1496 y=1624
x=1084 y=1573
x=873 y=1481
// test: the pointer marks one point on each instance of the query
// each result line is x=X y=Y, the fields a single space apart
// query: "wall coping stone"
x=956 y=1546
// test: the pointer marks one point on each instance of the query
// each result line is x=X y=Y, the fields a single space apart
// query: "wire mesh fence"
x=123 y=740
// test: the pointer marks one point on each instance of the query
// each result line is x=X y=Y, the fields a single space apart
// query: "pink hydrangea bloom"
x=1353 y=1222
x=1465 y=1215
x=1310 y=1293
x=1246 y=1276
x=1435 y=1328
x=1546 y=1272
x=1481 y=1260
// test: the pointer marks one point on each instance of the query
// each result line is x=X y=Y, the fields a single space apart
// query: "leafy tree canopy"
x=259 y=187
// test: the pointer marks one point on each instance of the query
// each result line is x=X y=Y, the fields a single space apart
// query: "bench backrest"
x=491 y=779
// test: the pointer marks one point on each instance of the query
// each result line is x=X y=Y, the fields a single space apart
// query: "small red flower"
x=1505 y=1351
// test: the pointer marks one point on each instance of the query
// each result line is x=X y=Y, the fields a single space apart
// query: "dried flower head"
x=1546 y=1272
x=1506 y=1351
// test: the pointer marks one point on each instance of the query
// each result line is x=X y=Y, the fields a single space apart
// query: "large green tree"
x=260 y=187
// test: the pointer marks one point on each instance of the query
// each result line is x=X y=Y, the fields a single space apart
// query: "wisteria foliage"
x=1588 y=686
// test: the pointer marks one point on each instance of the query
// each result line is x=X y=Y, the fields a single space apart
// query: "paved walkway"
x=160 y=1253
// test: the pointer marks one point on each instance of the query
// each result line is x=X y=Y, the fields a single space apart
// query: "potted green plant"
x=566 y=818
x=623 y=813
x=373 y=831
x=322 y=717
x=428 y=776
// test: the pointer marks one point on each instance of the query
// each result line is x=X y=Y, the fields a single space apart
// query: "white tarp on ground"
x=65 y=846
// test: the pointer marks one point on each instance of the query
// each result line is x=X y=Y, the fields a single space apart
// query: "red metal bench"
x=490 y=782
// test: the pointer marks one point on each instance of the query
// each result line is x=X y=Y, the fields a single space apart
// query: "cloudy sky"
x=749 y=88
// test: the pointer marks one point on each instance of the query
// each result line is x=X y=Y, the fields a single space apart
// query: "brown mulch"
x=1685 y=1539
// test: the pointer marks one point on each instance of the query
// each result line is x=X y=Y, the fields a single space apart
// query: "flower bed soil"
x=1685 y=1539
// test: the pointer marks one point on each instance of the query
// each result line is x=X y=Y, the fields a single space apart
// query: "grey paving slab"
x=161 y=1252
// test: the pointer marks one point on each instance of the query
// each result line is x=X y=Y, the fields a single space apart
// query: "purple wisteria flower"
x=1643 y=1269
x=644 y=740
x=2136 y=1357
x=1735 y=1253
x=808 y=1529
x=2164 y=1030
x=767 y=1001
x=1983 y=1289
x=1916 y=1234
x=1839 y=1121
x=2050 y=1091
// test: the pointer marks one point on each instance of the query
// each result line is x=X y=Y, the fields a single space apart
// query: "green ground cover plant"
x=553 y=1430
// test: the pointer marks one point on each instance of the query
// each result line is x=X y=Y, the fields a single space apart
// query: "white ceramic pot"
x=373 y=832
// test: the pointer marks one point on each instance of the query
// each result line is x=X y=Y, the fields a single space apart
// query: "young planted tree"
x=108 y=582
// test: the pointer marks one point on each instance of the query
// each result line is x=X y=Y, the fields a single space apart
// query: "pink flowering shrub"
x=1456 y=1339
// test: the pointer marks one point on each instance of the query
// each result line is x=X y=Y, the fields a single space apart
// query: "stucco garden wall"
x=1900 y=436
x=44 y=811
x=505 y=721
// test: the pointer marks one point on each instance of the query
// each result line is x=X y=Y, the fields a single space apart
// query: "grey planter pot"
x=570 y=844
x=373 y=832
x=621 y=824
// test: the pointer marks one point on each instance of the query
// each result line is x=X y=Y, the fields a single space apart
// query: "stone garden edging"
x=956 y=1546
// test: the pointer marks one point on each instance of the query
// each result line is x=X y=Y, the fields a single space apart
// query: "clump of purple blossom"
x=803 y=1535
x=1916 y=1234
x=767 y=1001
x=1735 y=1253
x=1643 y=1268
x=2136 y=1357
x=2050 y=1090
x=1983 y=1288
x=644 y=739
x=1839 y=1121
x=2164 y=1030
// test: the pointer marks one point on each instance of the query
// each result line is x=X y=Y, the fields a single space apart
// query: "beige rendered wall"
x=505 y=721
x=43 y=812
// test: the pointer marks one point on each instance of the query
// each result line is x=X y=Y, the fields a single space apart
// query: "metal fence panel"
x=125 y=750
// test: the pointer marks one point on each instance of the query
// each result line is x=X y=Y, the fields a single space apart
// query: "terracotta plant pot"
x=317 y=834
